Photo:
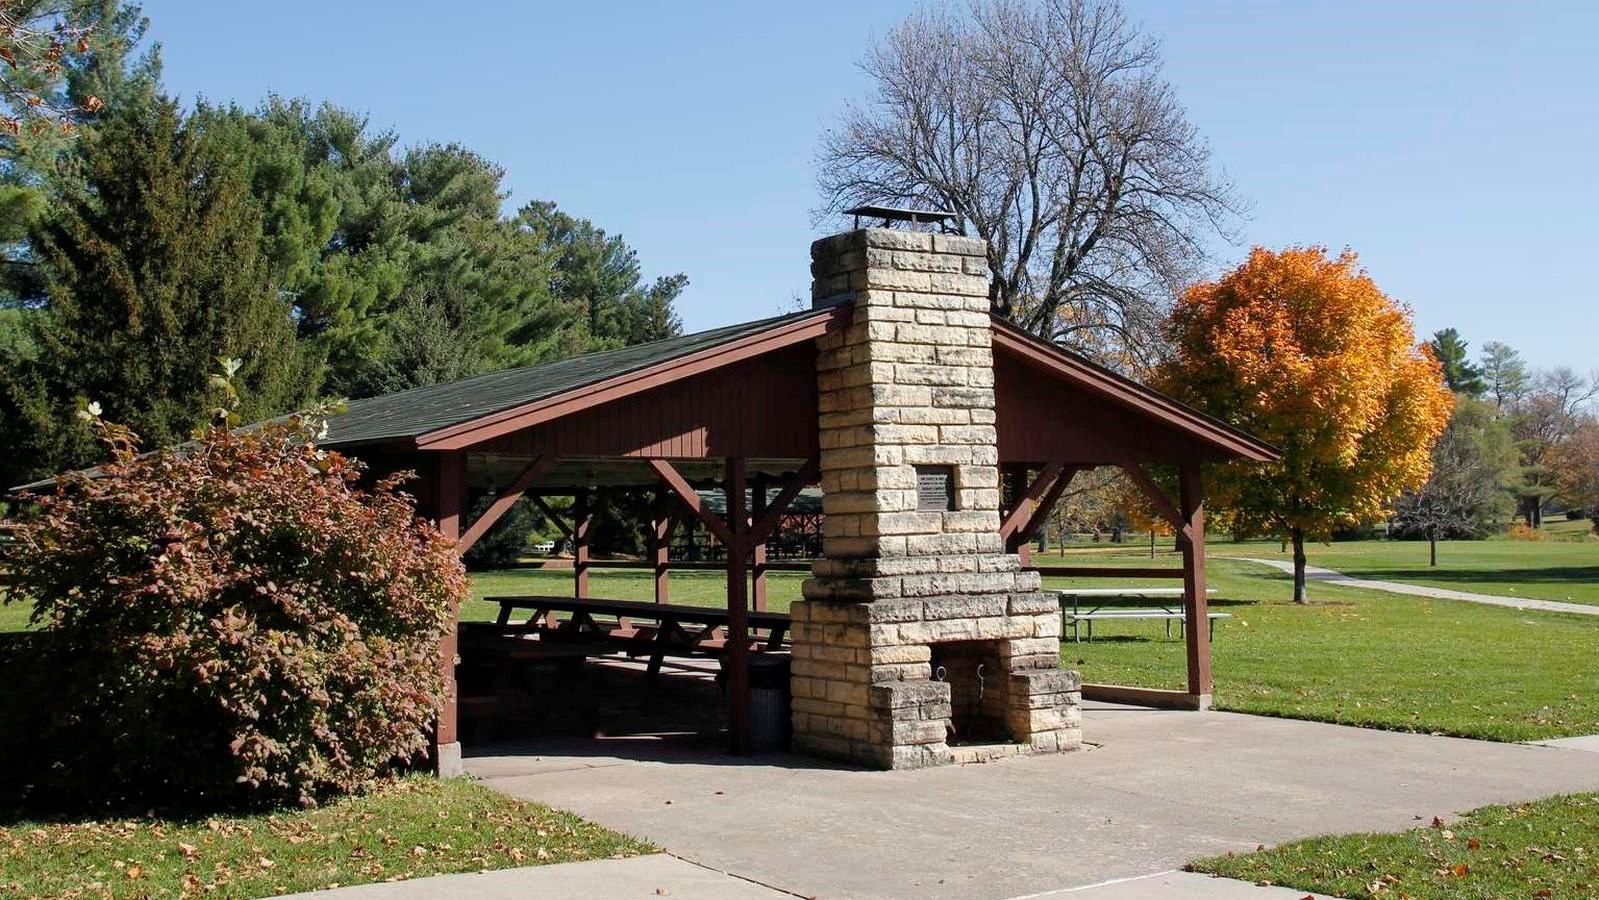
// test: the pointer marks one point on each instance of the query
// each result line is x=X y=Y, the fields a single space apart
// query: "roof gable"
x=413 y=414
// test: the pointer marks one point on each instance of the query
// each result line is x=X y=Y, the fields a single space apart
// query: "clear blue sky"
x=1455 y=146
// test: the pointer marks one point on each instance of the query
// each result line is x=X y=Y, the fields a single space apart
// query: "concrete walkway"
x=638 y=878
x=1316 y=573
x=661 y=875
x=1157 y=789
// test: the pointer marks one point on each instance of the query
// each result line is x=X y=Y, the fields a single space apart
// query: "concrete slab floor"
x=1176 y=886
x=1156 y=790
x=1588 y=742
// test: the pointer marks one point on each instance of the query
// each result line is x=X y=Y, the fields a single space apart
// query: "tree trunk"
x=1432 y=541
x=1298 y=537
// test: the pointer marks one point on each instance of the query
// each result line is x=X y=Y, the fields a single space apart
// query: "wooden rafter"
x=763 y=527
x=505 y=501
x=691 y=499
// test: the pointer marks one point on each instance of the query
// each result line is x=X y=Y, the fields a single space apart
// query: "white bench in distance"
x=1075 y=617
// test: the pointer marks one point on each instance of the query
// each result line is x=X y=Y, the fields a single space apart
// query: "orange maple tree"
x=1303 y=350
x=1574 y=463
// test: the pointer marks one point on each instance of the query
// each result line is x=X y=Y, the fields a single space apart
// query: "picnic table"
x=674 y=629
x=1076 y=616
x=515 y=676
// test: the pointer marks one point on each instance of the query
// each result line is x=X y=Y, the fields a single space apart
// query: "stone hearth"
x=914 y=577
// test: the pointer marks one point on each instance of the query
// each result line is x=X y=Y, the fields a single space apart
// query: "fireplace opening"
x=976 y=678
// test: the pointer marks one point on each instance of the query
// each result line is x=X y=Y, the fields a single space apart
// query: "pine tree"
x=155 y=271
x=1451 y=352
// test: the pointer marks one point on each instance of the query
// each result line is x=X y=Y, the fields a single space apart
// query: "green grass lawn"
x=419 y=826
x=1354 y=657
x=1546 y=570
x=14 y=616
x=1548 y=848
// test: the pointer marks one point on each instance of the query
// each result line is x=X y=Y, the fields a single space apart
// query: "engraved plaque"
x=935 y=488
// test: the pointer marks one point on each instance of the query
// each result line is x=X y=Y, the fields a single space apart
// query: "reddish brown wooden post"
x=449 y=496
x=1191 y=501
x=660 y=544
x=582 y=530
x=758 y=549
x=738 y=626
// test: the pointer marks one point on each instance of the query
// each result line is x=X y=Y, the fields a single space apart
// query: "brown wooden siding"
x=763 y=407
x=1041 y=418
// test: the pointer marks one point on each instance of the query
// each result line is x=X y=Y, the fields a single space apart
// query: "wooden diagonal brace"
x=691 y=499
x=1026 y=503
x=1163 y=504
x=1045 y=506
x=505 y=501
x=763 y=527
x=566 y=528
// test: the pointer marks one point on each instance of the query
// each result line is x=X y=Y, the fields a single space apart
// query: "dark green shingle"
x=418 y=411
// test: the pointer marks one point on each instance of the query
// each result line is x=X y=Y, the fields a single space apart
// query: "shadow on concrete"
x=678 y=717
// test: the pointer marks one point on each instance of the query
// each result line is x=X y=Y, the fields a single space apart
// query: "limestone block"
x=957 y=283
x=941 y=544
x=1033 y=603
x=896 y=672
x=938 y=454
x=977 y=320
x=899 y=655
x=901 y=395
x=964 y=355
x=959 y=606
x=926 y=262
x=912 y=373
x=963 y=397
x=1000 y=562
x=825 y=708
x=897 y=279
x=895 y=610
x=889 y=239
x=900 y=694
x=960 y=245
x=967 y=434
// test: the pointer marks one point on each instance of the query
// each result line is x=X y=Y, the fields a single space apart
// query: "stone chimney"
x=920 y=640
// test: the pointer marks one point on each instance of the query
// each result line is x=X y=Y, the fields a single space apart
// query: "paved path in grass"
x=637 y=878
x=1154 y=790
x=662 y=875
x=1316 y=573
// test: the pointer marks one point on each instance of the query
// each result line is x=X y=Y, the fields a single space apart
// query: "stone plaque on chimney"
x=935 y=488
x=920 y=641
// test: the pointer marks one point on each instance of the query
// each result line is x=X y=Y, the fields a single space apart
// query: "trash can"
x=769 y=701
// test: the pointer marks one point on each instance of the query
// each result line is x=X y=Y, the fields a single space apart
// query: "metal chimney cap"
x=890 y=214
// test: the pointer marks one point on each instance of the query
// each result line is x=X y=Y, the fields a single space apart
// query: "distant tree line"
x=1531 y=435
x=146 y=240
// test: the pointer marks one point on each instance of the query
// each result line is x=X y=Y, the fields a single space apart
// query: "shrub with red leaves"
x=235 y=622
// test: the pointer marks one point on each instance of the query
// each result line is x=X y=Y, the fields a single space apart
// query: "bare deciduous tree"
x=1048 y=129
x=1472 y=467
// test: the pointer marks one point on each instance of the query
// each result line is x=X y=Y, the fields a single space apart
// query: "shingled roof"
x=412 y=413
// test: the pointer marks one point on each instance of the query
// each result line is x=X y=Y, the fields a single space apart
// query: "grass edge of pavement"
x=414 y=827
x=1547 y=848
